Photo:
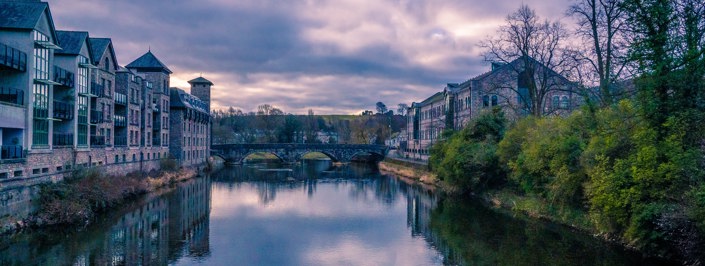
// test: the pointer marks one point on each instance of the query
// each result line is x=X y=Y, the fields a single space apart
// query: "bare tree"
x=535 y=51
x=601 y=27
x=402 y=108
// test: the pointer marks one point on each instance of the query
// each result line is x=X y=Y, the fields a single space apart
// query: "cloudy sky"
x=332 y=56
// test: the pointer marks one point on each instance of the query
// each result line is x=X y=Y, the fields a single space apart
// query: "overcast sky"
x=332 y=56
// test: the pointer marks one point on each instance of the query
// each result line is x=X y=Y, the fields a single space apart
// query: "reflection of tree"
x=480 y=236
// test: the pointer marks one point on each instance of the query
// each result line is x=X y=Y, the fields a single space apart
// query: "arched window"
x=107 y=65
x=555 y=101
x=494 y=100
x=485 y=101
x=565 y=102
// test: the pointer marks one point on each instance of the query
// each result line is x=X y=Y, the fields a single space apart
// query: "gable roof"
x=200 y=80
x=25 y=15
x=98 y=46
x=72 y=41
x=148 y=62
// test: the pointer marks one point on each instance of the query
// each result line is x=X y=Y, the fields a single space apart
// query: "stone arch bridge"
x=292 y=152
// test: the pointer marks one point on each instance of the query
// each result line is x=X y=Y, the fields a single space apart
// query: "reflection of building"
x=189 y=210
x=505 y=87
x=420 y=204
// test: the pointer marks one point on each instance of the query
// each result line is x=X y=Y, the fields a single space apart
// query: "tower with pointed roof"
x=201 y=88
x=157 y=75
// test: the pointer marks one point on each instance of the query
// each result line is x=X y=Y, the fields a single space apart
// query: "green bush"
x=467 y=159
x=543 y=155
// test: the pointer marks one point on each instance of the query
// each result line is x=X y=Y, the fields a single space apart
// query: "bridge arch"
x=331 y=156
x=244 y=158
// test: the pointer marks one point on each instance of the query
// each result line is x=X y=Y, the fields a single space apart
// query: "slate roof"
x=21 y=15
x=179 y=99
x=98 y=46
x=148 y=62
x=25 y=15
x=71 y=42
x=200 y=80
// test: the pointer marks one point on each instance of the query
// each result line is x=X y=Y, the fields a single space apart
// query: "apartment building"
x=190 y=123
x=505 y=86
x=65 y=103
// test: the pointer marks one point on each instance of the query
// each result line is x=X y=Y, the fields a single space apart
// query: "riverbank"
x=85 y=193
x=507 y=201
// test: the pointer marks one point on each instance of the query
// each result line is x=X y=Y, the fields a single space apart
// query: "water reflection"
x=153 y=231
x=313 y=213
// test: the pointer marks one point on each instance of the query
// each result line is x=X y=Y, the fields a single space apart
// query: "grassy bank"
x=416 y=172
x=87 y=192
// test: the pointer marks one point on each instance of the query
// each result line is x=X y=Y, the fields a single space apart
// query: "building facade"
x=65 y=103
x=505 y=86
x=190 y=123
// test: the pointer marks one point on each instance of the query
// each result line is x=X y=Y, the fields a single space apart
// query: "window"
x=106 y=66
x=494 y=100
x=565 y=102
x=555 y=101
x=485 y=101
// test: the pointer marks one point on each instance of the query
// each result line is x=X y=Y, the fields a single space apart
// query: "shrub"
x=467 y=160
x=169 y=164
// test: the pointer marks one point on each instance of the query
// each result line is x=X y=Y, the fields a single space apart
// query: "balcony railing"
x=63 y=77
x=120 y=121
x=63 y=139
x=63 y=110
x=120 y=141
x=12 y=58
x=40 y=112
x=156 y=108
x=96 y=117
x=10 y=95
x=96 y=89
x=120 y=98
x=97 y=141
x=8 y=152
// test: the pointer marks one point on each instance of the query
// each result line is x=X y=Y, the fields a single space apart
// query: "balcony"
x=63 y=110
x=63 y=139
x=156 y=108
x=120 y=99
x=96 y=89
x=40 y=113
x=63 y=77
x=96 y=117
x=11 y=58
x=10 y=95
x=156 y=142
x=120 y=121
x=11 y=152
x=120 y=141
x=98 y=141
x=156 y=125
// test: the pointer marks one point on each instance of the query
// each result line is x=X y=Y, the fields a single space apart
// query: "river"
x=313 y=213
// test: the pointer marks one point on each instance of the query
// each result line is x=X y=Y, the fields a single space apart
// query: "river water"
x=313 y=213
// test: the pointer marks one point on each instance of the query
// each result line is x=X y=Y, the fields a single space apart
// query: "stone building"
x=66 y=103
x=190 y=123
x=505 y=86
